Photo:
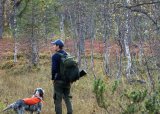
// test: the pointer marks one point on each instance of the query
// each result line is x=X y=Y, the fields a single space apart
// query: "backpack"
x=69 y=69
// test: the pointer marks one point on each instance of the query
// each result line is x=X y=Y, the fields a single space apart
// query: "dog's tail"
x=8 y=107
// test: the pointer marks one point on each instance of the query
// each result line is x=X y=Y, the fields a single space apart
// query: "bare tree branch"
x=139 y=10
x=146 y=3
x=143 y=12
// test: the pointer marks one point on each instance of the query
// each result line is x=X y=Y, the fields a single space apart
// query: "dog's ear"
x=35 y=91
x=41 y=92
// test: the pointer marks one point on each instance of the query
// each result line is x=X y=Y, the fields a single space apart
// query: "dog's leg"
x=39 y=108
x=20 y=110
x=23 y=110
x=38 y=112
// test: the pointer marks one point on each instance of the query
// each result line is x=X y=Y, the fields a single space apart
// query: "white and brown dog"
x=33 y=104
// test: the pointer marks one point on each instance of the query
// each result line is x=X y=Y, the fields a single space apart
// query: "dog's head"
x=39 y=92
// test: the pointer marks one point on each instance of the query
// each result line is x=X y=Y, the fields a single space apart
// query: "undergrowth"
x=130 y=99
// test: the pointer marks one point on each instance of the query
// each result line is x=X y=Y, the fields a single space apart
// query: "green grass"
x=19 y=81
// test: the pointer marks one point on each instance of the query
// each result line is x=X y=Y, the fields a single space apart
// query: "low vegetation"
x=92 y=96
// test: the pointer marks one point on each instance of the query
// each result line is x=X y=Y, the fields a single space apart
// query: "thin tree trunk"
x=120 y=58
x=119 y=66
x=140 y=51
x=138 y=30
x=79 y=30
x=73 y=31
x=15 y=32
x=93 y=36
x=45 y=26
x=106 y=53
x=33 y=41
x=7 y=13
x=126 y=43
x=84 y=55
x=119 y=52
x=76 y=42
x=106 y=27
x=156 y=8
x=62 y=26
x=1 y=19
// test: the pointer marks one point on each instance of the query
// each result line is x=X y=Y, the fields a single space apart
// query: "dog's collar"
x=37 y=97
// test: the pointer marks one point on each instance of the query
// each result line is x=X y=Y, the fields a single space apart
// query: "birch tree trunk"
x=120 y=56
x=1 y=19
x=73 y=34
x=84 y=49
x=126 y=43
x=93 y=36
x=141 y=51
x=156 y=8
x=45 y=26
x=14 y=32
x=138 y=30
x=33 y=41
x=62 y=26
x=106 y=35
x=119 y=64
x=75 y=29
x=79 y=30
x=120 y=43
x=106 y=55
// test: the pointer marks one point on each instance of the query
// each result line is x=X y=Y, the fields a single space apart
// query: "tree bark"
x=93 y=36
x=79 y=33
x=14 y=32
x=33 y=41
x=62 y=25
x=1 y=19
x=73 y=34
x=119 y=64
x=126 y=43
x=106 y=35
x=45 y=26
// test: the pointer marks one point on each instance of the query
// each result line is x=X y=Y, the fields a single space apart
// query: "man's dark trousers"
x=62 y=90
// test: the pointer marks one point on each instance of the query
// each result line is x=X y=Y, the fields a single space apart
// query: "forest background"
x=116 y=41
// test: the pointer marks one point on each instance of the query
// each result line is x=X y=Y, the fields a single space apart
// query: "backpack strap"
x=62 y=55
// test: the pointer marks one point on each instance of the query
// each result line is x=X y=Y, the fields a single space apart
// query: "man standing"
x=61 y=88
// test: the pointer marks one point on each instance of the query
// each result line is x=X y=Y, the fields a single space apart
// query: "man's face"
x=55 y=48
